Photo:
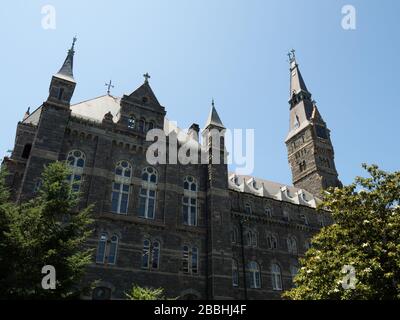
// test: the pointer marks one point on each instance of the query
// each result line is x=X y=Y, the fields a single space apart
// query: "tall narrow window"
x=189 y=201
x=251 y=238
x=101 y=248
x=121 y=187
x=272 y=242
x=131 y=122
x=276 y=277
x=112 y=255
x=190 y=260
x=185 y=259
x=60 y=93
x=247 y=208
x=155 y=255
x=304 y=219
x=27 y=151
x=321 y=220
x=146 y=254
x=292 y=245
x=235 y=273
x=293 y=272
x=195 y=260
x=141 y=125
x=147 y=197
x=76 y=162
x=254 y=275
x=234 y=235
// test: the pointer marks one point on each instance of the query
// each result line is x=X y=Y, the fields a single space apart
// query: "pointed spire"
x=297 y=84
x=213 y=118
x=66 y=71
x=316 y=116
x=27 y=113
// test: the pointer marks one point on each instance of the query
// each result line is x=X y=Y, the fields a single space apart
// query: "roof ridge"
x=98 y=97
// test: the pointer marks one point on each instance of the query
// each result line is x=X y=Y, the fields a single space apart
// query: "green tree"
x=47 y=230
x=366 y=236
x=140 y=293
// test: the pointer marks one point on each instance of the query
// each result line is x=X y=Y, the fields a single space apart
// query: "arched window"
x=286 y=216
x=189 y=201
x=292 y=245
x=272 y=242
x=247 y=208
x=149 y=126
x=146 y=254
x=293 y=272
x=235 y=273
x=27 y=151
x=276 y=277
x=101 y=293
x=131 y=122
x=101 y=248
x=251 y=238
x=121 y=187
x=268 y=212
x=76 y=162
x=141 y=125
x=155 y=255
x=304 y=219
x=253 y=275
x=190 y=259
x=147 y=198
x=112 y=255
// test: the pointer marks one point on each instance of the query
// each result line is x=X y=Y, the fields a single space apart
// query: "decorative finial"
x=73 y=44
x=109 y=86
x=28 y=111
x=292 y=55
x=146 y=77
x=212 y=102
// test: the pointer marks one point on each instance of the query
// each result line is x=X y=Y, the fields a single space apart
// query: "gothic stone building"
x=198 y=231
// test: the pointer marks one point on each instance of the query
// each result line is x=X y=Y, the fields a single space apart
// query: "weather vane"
x=109 y=86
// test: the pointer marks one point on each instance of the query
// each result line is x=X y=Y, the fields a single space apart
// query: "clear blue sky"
x=234 y=51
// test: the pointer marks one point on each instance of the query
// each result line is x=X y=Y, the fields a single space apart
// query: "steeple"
x=66 y=71
x=310 y=149
x=297 y=84
x=213 y=118
x=63 y=84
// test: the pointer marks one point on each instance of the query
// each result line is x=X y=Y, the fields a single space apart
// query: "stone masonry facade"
x=195 y=230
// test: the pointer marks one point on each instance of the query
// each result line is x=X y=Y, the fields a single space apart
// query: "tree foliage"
x=47 y=230
x=365 y=235
x=140 y=293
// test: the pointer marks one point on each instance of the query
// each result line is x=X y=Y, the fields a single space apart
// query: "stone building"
x=196 y=230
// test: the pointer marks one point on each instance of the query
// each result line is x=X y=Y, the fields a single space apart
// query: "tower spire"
x=298 y=87
x=213 y=117
x=310 y=149
x=66 y=71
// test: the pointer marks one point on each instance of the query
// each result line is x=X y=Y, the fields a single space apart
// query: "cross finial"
x=292 y=55
x=109 y=86
x=73 y=43
x=146 y=77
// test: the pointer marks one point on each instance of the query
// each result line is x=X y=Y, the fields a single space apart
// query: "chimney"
x=194 y=131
